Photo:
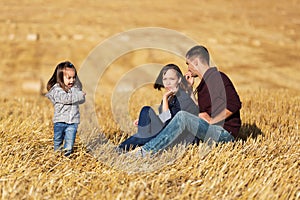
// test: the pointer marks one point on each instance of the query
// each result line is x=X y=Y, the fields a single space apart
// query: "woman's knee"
x=145 y=110
x=144 y=118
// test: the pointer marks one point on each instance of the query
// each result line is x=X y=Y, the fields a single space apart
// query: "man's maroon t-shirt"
x=215 y=93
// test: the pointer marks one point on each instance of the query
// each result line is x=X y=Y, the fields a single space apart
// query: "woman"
x=178 y=96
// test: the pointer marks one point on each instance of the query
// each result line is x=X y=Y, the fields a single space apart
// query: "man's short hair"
x=199 y=51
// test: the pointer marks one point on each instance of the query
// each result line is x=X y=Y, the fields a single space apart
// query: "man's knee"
x=181 y=117
x=181 y=114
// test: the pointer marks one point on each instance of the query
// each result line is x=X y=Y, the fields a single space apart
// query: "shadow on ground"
x=249 y=131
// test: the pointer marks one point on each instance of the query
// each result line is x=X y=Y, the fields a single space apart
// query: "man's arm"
x=220 y=117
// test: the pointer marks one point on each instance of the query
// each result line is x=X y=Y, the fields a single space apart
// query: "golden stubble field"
x=255 y=42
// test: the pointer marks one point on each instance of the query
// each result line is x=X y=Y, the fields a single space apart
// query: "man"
x=219 y=106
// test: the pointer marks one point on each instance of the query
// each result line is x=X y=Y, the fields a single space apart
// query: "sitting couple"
x=214 y=117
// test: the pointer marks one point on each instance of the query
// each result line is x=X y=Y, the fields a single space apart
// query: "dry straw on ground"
x=255 y=42
x=265 y=166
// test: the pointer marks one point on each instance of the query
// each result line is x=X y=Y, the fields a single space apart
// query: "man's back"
x=215 y=93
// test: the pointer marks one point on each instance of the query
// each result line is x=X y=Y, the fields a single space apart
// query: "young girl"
x=65 y=92
x=178 y=96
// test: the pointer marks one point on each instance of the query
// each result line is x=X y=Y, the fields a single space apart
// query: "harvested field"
x=264 y=167
x=255 y=42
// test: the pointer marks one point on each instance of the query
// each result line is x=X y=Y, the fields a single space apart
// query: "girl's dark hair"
x=58 y=76
x=184 y=85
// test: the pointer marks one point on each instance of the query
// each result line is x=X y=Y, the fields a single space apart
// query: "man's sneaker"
x=138 y=152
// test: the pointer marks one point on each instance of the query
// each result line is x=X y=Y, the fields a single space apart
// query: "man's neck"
x=203 y=69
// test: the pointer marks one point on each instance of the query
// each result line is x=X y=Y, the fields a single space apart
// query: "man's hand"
x=189 y=78
x=205 y=117
x=221 y=116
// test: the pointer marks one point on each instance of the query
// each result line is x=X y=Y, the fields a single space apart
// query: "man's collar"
x=209 y=72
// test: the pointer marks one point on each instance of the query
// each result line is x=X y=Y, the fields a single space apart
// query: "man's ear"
x=196 y=62
x=179 y=81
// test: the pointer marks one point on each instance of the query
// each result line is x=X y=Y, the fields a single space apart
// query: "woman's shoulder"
x=185 y=98
x=183 y=95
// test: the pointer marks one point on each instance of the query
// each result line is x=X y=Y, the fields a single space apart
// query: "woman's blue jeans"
x=149 y=126
x=64 y=134
x=184 y=123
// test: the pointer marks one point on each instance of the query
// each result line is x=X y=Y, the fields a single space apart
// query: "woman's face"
x=171 y=80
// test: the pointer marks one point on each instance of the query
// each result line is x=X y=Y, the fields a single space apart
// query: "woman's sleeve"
x=165 y=116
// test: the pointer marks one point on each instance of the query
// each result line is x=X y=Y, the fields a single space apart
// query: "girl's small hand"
x=136 y=122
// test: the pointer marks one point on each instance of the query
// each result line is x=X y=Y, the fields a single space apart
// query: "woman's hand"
x=165 y=103
x=167 y=94
x=136 y=122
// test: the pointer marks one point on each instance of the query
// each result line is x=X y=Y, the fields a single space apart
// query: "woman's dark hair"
x=184 y=85
x=58 y=76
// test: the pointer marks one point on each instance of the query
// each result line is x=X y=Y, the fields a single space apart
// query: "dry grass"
x=255 y=42
x=264 y=167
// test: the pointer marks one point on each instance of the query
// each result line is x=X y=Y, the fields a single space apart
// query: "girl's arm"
x=72 y=97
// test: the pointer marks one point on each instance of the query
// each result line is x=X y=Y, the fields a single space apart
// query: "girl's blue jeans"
x=64 y=134
x=184 y=123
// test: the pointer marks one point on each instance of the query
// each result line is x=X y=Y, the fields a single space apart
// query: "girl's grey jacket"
x=66 y=104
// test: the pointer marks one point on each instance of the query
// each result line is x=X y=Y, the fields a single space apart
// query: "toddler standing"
x=65 y=92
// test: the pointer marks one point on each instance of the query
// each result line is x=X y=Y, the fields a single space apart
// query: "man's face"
x=192 y=66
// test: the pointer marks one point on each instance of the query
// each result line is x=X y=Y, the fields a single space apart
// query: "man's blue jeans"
x=184 y=123
x=64 y=133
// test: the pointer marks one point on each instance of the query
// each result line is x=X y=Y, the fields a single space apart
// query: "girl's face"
x=171 y=80
x=69 y=77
